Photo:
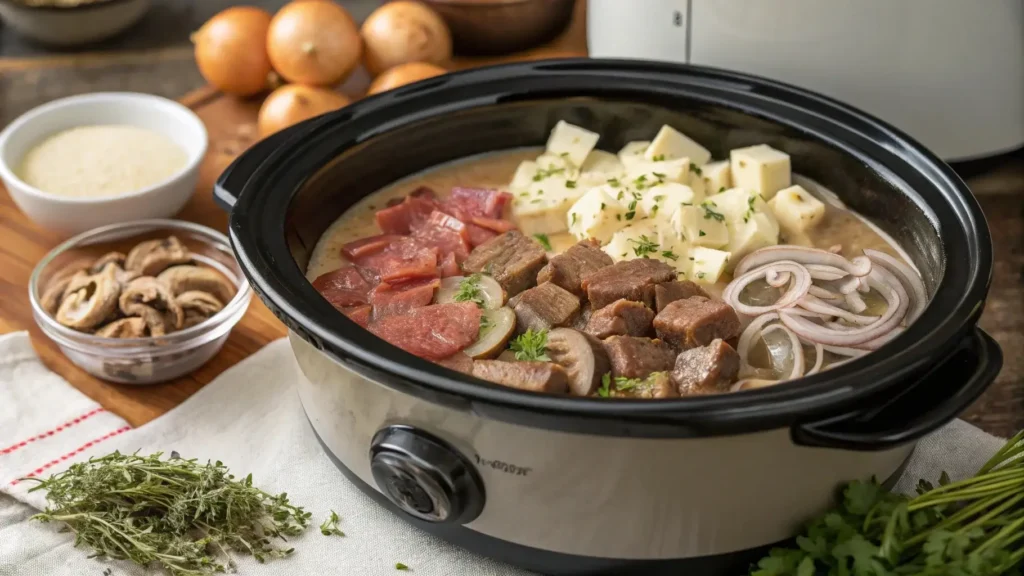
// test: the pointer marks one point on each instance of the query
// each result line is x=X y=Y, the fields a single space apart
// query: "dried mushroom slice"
x=94 y=299
x=153 y=302
x=198 y=306
x=56 y=287
x=134 y=327
x=152 y=257
x=115 y=258
x=181 y=279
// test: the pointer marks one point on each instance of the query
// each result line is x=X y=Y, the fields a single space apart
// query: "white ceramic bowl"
x=74 y=215
x=67 y=26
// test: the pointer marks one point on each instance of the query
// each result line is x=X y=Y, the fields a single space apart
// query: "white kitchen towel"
x=251 y=419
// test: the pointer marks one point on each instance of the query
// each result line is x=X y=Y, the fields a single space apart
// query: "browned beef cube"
x=532 y=376
x=630 y=279
x=668 y=292
x=584 y=317
x=568 y=268
x=709 y=369
x=545 y=307
x=696 y=321
x=511 y=258
x=657 y=385
x=634 y=357
x=621 y=318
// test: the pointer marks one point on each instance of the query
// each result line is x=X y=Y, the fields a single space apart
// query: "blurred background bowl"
x=71 y=25
x=491 y=27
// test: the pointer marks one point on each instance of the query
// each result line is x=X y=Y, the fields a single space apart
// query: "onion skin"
x=401 y=32
x=314 y=43
x=404 y=74
x=231 y=51
x=293 y=103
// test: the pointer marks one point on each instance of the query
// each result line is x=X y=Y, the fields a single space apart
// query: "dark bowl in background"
x=502 y=26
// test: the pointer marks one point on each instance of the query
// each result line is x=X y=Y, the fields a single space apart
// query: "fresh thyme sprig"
x=180 y=514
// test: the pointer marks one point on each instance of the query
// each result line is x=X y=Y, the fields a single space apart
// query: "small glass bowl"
x=152 y=359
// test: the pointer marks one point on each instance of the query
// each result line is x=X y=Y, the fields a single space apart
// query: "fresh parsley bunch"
x=974 y=527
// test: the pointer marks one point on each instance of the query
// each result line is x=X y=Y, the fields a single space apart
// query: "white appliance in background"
x=948 y=72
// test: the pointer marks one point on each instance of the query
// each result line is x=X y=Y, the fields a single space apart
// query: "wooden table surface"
x=28 y=78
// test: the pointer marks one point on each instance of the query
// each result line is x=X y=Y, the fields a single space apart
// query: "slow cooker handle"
x=233 y=180
x=923 y=406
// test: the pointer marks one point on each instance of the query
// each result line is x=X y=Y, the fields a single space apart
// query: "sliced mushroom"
x=152 y=257
x=148 y=298
x=491 y=294
x=582 y=356
x=133 y=327
x=531 y=376
x=122 y=276
x=93 y=300
x=56 y=287
x=197 y=306
x=181 y=279
x=496 y=328
x=115 y=258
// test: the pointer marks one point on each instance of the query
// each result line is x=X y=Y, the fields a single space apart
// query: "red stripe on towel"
x=72 y=454
x=52 y=431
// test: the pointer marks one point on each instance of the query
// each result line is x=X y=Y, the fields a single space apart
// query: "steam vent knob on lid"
x=424 y=476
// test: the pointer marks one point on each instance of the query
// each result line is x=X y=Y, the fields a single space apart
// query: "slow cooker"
x=566 y=485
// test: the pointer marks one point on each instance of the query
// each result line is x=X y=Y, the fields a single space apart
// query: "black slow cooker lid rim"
x=838 y=387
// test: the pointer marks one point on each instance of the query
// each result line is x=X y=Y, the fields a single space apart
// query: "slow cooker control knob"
x=424 y=476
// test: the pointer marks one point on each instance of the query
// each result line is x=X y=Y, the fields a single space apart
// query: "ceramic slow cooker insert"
x=584 y=486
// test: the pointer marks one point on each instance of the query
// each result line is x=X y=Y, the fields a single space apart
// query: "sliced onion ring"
x=795 y=346
x=815 y=304
x=859 y=266
x=819 y=359
x=909 y=277
x=798 y=288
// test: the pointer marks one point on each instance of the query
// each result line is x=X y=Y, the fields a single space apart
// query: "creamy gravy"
x=495 y=171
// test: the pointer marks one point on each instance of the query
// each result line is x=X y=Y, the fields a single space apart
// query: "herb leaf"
x=531 y=346
x=544 y=241
x=605 y=389
x=469 y=291
x=401 y=567
x=709 y=213
x=330 y=526
x=643 y=246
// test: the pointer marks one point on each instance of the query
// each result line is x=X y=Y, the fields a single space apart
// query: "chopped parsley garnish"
x=621 y=195
x=618 y=217
x=602 y=205
x=544 y=241
x=659 y=158
x=658 y=175
x=654 y=210
x=670 y=255
x=700 y=275
x=613 y=181
x=606 y=383
x=643 y=246
x=695 y=169
x=701 y=233
x=573 y=216
x=524 y=194
x=630 y=214
x=570 y=183
x=485 y=324
x=401 y=567
x=622 y=383
x=545 y=172
x=659 y=198
x=469 y=290
x=709 y=213
x=531 y=346
x=535 y=201
x=722 y=189
x=540 y=192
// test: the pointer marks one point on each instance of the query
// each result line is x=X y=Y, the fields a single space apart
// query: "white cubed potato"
x=597 y=214
x=603 y=163
x=553 y=165
x=693 y=224
x=633 y=152
x=572 y=142
x=639 y=238
x=660 y=202
x=671 y=144
x=716 y=176
x=760 y=169
x=523 y=177
x=734 y=204
x=699 y=190
x=796 y=210
x=707 y=264
x=756 y=233
x=543 y=207
x=650 y=172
